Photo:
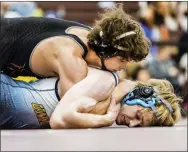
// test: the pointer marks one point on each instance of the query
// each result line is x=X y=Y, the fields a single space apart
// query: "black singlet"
x=19 y=36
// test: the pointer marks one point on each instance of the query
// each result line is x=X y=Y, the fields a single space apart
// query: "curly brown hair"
x=113 y=23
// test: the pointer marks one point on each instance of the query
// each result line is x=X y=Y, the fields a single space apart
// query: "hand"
x=123 y=89
x=113 y=111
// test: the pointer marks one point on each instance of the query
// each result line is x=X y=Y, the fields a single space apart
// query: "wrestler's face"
x=116 y=63
x=132 y=117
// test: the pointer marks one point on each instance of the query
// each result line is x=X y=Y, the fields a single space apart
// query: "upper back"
x=21 y=36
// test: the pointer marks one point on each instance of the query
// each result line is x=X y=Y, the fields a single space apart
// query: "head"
x=163 y=113
x=117 y=39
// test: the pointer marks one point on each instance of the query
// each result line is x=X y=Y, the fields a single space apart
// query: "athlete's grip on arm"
x=71 y=112
x=73 y=118
x=118 y=93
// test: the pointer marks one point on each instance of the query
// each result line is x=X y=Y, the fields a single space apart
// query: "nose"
x=134 y=123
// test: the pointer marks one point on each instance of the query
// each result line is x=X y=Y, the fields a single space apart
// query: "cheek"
x=113 y=62
x=130 y=111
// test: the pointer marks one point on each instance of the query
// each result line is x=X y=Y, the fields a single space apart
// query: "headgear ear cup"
x=144 y=91
x=144 y=96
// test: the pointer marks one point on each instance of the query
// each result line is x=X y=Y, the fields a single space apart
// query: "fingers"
x=113 y=111
x=112 y=104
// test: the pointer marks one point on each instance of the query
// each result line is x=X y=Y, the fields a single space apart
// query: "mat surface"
x=104 y=139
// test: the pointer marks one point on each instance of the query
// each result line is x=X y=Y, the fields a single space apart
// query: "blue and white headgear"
x=145 y=97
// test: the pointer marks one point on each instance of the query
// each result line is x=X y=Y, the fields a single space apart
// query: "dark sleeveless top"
x=19 y=36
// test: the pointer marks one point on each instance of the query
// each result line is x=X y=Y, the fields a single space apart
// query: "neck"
x=93 y=60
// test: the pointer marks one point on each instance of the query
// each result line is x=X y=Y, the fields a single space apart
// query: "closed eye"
x=139 y=116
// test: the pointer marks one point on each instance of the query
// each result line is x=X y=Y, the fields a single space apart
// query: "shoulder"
x=80 y=32
x=61 y=45
x=101 y=77
x=61 y=41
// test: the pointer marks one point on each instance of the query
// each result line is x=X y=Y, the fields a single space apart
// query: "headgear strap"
x=104 y=48
x=144 y=96
x=103 y=67
x=125 y=35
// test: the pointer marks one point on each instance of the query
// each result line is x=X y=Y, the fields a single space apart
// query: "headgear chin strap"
x=144 y=96
x=103 y=52
x=103 y=67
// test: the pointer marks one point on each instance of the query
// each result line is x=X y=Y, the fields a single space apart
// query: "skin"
x=72 y=111
x=128 y=115
x=132 y=117
x=94 y=96
x=52 y=57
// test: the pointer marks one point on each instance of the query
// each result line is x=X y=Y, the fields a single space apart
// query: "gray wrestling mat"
x=104 y=139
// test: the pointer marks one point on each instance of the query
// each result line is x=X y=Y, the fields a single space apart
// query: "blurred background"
x=164 y=23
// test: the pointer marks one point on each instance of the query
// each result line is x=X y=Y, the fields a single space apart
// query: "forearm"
x=75 y=116
x=101 y=107
x=87 y=120
x=81 y=120
x=123 y=88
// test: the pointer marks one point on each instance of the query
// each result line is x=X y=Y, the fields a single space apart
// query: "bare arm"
x=84 y=95
x=119 y=92
x=67 y=62
x=71 y=69
x=74 y=118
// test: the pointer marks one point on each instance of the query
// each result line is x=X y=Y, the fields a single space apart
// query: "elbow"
x=57 y=123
